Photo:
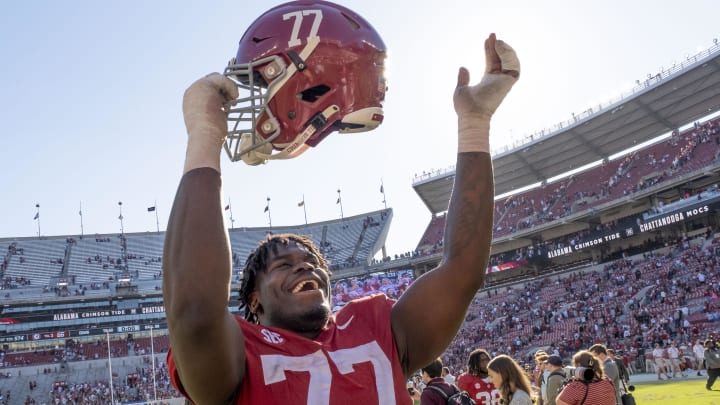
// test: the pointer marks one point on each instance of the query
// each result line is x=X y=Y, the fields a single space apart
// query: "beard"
x=312 y=320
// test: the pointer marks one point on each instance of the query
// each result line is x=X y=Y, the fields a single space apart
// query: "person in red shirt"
x=475 y=379
x=289 y=348
x=592 y=389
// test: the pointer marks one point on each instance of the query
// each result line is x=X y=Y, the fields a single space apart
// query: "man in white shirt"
x=674 y=357
x=657 y=354
x=699 y=351
x=449 y=378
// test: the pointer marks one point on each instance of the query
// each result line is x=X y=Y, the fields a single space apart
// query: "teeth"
x=302 y=284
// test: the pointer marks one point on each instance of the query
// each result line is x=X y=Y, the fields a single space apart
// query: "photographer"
x=588 y=385
x=712 y=363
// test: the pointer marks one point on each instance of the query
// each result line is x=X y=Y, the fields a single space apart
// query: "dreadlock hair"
x=257 y=261
x=473 y=362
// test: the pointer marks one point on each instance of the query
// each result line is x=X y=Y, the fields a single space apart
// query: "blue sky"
x=92 y=93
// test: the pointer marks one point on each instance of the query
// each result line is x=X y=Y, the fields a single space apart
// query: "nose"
x=303 y=265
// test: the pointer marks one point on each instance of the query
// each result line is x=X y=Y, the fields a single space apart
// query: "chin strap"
x=295 y=148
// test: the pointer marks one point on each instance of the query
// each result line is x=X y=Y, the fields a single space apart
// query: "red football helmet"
x=304 y=69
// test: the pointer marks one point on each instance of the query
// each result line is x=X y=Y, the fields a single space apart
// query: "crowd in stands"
x=630 y=305
x=392 y=284
x=140 y=385
x=679 y=154
x=134 y=386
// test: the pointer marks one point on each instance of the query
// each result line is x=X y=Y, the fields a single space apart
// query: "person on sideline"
x=712 y=363
x=476 y=381
x=448 y=376
x=623 y=372
x=510 y=379
x=555 y=380
x=432 y=377
x=540 y=375
x=658 y=354
x=699 y=352
x=592 y=388
x=610 y=369
x=289 y=348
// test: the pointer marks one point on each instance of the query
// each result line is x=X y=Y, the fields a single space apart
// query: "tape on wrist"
x=202 y=153
x=473 y=134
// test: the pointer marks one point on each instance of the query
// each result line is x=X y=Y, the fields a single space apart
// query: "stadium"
x=606 y=230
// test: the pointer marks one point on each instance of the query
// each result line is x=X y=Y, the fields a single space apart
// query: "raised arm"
x=207 y=344
x=429 y=314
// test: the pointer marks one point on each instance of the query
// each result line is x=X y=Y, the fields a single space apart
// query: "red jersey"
x=353 y=360
x=481 y=390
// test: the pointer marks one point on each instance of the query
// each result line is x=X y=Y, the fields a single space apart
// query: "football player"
x=476 y=381
x=289 y=349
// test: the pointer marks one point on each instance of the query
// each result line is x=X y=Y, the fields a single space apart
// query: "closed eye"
x=280 y=266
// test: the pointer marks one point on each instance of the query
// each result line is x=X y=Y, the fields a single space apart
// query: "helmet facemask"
x=252 y=127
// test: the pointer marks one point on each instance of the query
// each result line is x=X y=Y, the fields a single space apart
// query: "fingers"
x=499 y=58
x=492 y=61
x=212 y=84
x=509 y=62
x=204 y=105
x=463 y=77
x=225 y=86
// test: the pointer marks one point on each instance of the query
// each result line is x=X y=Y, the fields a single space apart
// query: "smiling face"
x=293 y=292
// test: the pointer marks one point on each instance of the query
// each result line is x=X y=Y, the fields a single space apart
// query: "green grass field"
x=678 y=392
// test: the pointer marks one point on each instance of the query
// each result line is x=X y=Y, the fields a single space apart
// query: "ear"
x=254 y=303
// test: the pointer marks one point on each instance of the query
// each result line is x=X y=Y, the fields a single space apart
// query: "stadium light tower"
x=81 y=222
x=120 y=217
x=152 y=350
x=37 y=217
x=339 y=201
x=112 y=389
x=123 y=242
x=228 y=207
x=267 y=209
x=382 y=191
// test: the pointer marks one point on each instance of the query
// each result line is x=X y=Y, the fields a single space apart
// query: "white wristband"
x=473 y=134
x=202 y=152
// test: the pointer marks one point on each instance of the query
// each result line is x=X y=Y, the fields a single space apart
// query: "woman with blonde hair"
x=589 y=385
x=510 y=380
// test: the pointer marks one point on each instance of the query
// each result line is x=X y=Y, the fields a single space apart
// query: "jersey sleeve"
x=174 y=376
